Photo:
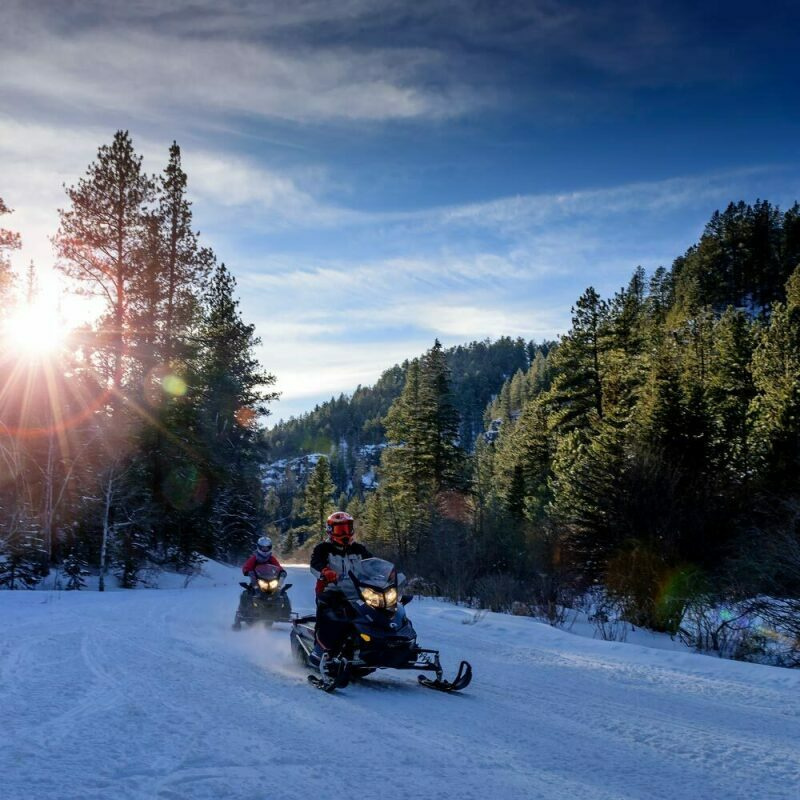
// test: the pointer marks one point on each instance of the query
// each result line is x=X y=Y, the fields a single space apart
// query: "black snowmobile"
x=380 y=633
x=264 y=600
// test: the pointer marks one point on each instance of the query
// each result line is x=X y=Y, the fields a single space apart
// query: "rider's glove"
x=329 y=575
x=282 y=573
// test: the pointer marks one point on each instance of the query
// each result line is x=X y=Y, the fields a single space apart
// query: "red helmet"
x=340 y=527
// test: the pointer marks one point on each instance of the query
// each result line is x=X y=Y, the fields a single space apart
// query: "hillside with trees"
x=647 y=462
x=477 y=370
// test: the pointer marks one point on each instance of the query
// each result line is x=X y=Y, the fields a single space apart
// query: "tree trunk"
x=48 y=498
x=106 y=533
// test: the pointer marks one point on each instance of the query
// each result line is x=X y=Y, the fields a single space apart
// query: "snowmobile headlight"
x=267 y=586
x=371 y=597
x=391 y=597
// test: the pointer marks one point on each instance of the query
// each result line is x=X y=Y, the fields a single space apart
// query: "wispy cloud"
x=353 y=61
x=100 y=57
x=516 y=214
x=259 y=196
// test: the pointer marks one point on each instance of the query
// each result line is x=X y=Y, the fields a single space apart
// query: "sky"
x=378 y=174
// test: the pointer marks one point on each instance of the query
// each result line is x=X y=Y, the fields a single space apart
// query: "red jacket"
x=253 y=562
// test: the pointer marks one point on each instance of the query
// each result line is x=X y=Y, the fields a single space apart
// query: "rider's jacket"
x=256 y=561
x=339 y=558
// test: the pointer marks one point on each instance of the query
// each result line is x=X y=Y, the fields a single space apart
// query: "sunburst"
x=34 y=330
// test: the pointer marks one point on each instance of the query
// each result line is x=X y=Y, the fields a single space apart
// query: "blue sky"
x=378 y=174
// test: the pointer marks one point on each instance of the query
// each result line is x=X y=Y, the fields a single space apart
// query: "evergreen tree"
x=523 y=461
x=443 y=419
x=21 y=553
x=731 y=392
x=407 y=466
x=742 y=260
x=776 y=375
x=577 y=390
x=231 y=397
x=75 y=569
x=9 y=240
x=538 y=376
x=319 y=495
x=100 y=241
x=186 y=268
x=424 y=458
x=590 y=497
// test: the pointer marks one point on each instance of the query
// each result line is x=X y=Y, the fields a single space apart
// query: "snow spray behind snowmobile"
x=380 y=634
x=265 y=599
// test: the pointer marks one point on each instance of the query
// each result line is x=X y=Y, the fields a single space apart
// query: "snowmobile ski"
x=334 y=673
x=461 y=681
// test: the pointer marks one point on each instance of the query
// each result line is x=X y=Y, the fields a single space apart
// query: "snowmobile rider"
x=330 y=559
x=262 y=555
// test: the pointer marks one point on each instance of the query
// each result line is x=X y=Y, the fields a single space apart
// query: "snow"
x=149 y=694
x=212 y=574
x=369 y=480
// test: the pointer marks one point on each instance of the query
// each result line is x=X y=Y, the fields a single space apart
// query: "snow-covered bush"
x=75 y=571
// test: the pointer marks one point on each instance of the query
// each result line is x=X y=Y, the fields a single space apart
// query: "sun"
x=34 y=330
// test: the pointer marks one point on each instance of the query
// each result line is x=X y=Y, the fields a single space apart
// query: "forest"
x=645 y=463
x=137 y=444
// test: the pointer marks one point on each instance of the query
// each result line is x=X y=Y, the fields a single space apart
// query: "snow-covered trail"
x=149 y=694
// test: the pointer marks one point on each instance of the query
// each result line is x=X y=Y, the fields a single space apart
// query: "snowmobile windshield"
x=376 y=571
x=266 y=571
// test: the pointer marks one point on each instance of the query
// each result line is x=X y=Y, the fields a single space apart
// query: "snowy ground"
x=149 y=694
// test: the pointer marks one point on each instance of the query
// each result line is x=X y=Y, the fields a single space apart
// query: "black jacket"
x=327 y=554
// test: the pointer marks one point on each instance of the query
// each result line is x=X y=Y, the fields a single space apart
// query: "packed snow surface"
x=150 y=694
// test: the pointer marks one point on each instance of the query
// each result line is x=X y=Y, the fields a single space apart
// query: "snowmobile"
x=380 y=634
x=265 y=599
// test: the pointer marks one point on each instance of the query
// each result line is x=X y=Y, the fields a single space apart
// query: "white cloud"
x=257 y=196
x=465 y=321
x=523 y=212
x=152 y=67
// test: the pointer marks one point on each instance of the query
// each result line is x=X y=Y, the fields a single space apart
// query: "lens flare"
x=185 y=488
x=174 y=385
x=245 y=416
x=35 y=331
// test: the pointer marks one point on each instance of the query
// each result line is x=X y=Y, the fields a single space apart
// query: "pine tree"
x=9 y=240
x=522 y=463
x=518 y=391
x=776 y=375
x=443 y=419
x=731 y=392
x=21 y=553
x=319 y=495
x=538 y=376
x=100 y=241
x=410 y=429
x=589 y=492
x=186 y=267
x=424 y=458
x=75 y=569
x=407 y=483
x=740 y=260
x=230 y=387
x=577 y=390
